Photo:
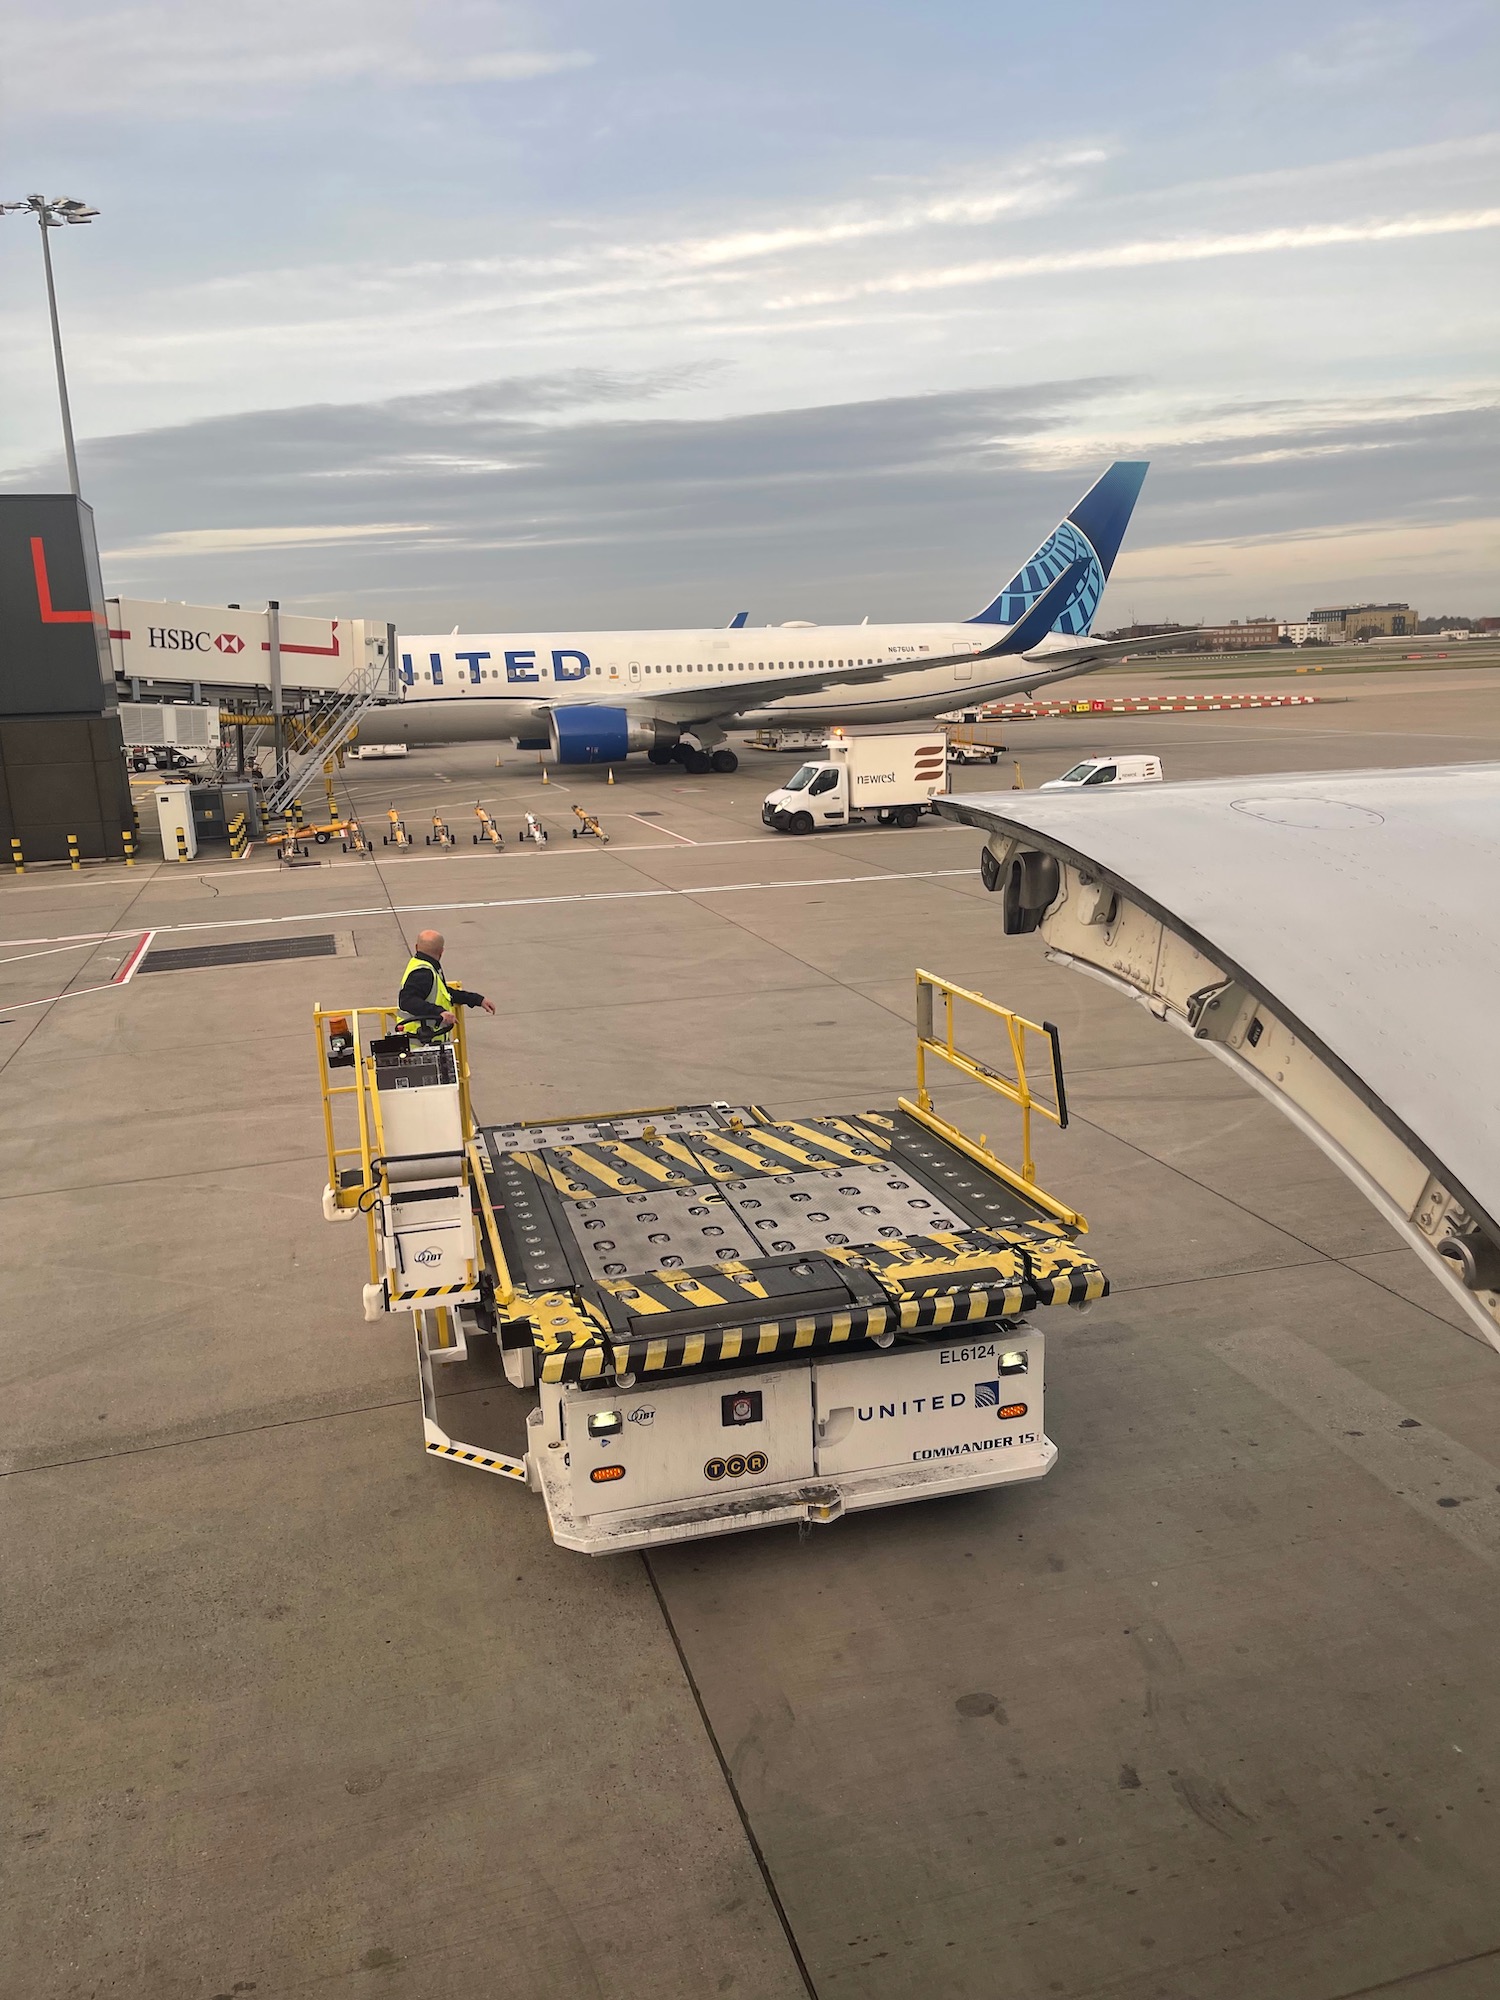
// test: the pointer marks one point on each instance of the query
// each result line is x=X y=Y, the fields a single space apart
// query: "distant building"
x=1487 y=625
x=1142 y=631
x=1240 y=638
x=1364 y=621
x=1304 y=633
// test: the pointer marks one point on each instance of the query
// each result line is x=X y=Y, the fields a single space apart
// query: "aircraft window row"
x=726 y=666
x=754 y=666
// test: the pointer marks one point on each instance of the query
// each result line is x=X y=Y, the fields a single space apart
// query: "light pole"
x=52 y=215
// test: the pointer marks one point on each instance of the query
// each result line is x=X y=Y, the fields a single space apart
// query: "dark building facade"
x=62 y=761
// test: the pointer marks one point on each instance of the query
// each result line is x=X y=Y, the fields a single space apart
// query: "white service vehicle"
x=715 y=1320
x=1107 y=771
x=893 y=779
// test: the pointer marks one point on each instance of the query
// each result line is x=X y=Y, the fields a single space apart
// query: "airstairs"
x=325 y=729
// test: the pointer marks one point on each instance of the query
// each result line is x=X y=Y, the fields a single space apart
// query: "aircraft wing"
x=1101 y=651
x=1318 y=933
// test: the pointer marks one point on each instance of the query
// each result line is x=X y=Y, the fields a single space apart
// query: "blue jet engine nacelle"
x=583 y=734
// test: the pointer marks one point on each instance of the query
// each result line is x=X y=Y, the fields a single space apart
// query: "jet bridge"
x=1333 y=937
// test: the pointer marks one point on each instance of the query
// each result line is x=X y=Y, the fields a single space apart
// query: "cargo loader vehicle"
x=701 y=1319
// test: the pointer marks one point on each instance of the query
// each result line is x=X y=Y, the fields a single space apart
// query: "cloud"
x=1024 y=187
x=236 y=541
x=186 y=60
x=552 y=394
x=1363 y=48
x=478 y=508
x=1409 y=561
x=1137 y=256
x=1047 y=256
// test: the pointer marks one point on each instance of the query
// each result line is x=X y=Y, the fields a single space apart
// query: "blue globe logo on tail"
x=1091 y=535
x=1062 y=547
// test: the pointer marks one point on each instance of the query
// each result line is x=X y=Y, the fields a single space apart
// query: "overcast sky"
x=459 y=312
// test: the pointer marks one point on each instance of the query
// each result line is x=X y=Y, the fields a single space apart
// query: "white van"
x=1108 y=771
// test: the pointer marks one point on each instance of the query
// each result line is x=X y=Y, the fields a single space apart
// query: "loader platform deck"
x=701 y=1236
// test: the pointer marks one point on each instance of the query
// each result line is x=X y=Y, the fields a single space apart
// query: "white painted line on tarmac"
x=122 y=977
x=500 y=903
x=84 y=943
x=398 y=859
x=651 y=827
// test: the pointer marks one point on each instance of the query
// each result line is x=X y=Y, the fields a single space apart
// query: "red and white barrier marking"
x=1181 y=704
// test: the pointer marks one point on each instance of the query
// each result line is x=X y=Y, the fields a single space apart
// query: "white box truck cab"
x=1108 y=771
x=891 y=779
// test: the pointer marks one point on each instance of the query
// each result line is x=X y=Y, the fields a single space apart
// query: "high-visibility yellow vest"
x=441 y=997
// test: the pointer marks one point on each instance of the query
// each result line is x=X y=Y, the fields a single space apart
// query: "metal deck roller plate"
x=670 y=1230
x=839 y=1206
x=579 y=1131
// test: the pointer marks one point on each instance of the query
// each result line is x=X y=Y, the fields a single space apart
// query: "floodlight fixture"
x=53 y=214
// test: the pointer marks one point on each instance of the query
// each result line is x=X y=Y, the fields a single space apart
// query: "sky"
x=458 y=312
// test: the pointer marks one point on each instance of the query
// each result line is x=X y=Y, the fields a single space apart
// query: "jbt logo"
x=429 y=1256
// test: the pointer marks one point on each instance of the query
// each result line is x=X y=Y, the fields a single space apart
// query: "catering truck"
x=891 y=779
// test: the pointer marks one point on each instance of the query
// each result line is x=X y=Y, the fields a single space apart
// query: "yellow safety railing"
x=365 y=1026
x=1014 y=1087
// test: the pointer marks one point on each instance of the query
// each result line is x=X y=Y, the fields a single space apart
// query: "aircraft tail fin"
x=1091 y=536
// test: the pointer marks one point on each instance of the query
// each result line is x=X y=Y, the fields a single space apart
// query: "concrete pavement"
x=1207 y=1715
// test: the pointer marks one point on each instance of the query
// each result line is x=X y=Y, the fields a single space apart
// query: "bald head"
x=430 y=943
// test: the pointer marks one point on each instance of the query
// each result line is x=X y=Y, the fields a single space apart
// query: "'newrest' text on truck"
x=892 y=779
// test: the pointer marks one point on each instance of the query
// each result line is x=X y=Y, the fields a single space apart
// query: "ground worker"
x=426 y=999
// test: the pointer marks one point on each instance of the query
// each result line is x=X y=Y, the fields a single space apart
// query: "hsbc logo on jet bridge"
x=172 y=639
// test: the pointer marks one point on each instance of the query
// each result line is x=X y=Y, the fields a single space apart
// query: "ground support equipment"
x=589 y=824
x=296 y=837
x=725 y=1320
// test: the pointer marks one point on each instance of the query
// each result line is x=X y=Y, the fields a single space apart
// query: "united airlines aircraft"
x=593 y=697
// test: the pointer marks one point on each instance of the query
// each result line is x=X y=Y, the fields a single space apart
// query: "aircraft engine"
x=587 y=735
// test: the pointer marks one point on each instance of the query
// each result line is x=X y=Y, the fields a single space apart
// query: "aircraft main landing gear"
x=693 y=757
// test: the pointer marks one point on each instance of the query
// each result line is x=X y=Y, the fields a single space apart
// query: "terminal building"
x=1337 y=623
